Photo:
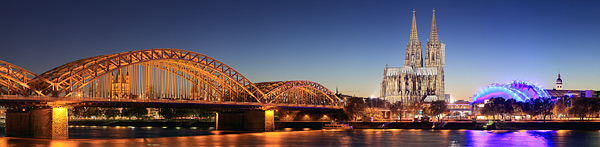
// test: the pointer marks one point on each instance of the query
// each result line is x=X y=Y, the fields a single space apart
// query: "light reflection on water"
x=510 y=138
x=358 y=137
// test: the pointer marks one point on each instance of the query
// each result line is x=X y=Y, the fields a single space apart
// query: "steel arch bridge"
x=303 y=92
x=15 y=80
x=158 y=74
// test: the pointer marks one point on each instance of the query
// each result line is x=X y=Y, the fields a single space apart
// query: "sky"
x=337 y=43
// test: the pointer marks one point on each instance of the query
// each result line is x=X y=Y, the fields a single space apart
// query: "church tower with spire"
x=559 y=85
x=434 y=57
x=413 y=47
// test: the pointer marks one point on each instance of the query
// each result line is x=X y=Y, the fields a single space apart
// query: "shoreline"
x=315 y=125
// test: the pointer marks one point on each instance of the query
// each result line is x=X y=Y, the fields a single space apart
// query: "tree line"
x=510 y=107
x=137 y=112
x=543 y=107
x=584 y=107
x=356 y=107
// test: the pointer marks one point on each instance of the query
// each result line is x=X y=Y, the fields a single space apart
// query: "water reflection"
x=509 y=138
x=358 y=137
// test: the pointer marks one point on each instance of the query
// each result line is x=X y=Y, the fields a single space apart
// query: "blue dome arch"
x=518 y=90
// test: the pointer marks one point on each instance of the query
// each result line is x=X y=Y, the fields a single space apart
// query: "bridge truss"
x=158 y=74
x=15 y=80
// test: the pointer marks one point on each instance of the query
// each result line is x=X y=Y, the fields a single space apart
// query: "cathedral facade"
x=119 y=87
x=420 y=79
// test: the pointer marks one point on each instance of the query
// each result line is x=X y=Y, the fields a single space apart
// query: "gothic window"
x=430 y=56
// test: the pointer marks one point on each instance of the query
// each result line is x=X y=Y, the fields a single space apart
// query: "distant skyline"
x=337 y=43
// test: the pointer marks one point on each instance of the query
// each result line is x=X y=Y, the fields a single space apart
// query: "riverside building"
x=418 y=80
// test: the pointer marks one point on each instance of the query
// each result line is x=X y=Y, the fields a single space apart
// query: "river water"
x=145 y=136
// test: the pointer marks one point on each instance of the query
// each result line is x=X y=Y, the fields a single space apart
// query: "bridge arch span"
x=76 y=76
x=162 y=73
x=288 y=91
x=15 y=80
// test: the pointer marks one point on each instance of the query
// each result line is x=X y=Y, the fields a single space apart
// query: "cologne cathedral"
x=417 y=81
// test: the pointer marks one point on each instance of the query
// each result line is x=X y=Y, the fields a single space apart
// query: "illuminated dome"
x=558 y=81
x=518 y=90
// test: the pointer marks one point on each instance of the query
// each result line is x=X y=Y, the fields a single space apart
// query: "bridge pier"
x=251 y=120
x=43 y=123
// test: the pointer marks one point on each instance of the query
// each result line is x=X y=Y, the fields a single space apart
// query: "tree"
x=202 y=113
x=426 y=111
x=530 y=109
x=415 y=108
x=183 y=112
x=544 y=106
x=508 y=108
x=111 y=112
x=78 y=111
x=437 y=108
x=594 y=106
x=579 y=108
x=396 y=108
x=92 y=112
x=138 y=112
x=167 y=113
x=583 y=107
x=518 y=108
x=372 y=112
x=354 y=106
x=560 y=108
x=494 y=106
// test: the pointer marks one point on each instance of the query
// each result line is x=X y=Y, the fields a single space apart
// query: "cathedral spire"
x=434 y=35
x=413 y=47
x=413 y=29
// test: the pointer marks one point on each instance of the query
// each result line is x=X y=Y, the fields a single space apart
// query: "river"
x=146 y=136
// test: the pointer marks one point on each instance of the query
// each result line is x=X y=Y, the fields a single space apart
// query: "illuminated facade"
x=518 y=90
x=120 y=85
x=415 y=82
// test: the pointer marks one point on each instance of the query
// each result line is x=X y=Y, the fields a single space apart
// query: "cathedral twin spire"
x=413 y=48
x=433 y=36
x=414 y=36
x=421 y=79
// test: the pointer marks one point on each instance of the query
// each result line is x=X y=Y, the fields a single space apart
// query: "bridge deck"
x=107 y=102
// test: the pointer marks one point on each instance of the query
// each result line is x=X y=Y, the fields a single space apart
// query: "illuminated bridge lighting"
x=518 y=90
x=161 y=74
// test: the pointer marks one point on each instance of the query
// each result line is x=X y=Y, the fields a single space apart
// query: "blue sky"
x=334 y=42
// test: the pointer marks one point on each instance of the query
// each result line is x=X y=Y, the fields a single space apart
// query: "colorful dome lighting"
x=518 y=90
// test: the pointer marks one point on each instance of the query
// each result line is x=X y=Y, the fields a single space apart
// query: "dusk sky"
x=338 y=43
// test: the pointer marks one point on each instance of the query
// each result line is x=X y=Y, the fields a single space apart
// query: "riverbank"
x=544 y=125
x=481 y=125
